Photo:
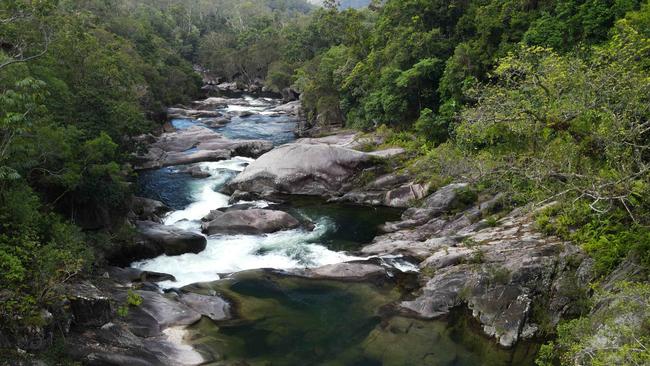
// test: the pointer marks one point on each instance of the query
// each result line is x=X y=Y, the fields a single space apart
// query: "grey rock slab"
x=170 y=240
x=301 y=169
x=214 y=307
x=352 y=271
x=252 y=221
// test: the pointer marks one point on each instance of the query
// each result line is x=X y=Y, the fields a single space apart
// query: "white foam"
x=204 y=195
x=225 y=254
x=245 y=108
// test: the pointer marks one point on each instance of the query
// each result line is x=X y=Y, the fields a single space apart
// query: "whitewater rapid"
x=232 y=253
x=224 y=254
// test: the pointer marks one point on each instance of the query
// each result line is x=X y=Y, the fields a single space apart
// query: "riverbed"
x=285 y=319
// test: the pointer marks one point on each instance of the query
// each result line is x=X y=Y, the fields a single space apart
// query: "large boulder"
x=114 y=344
x=169 y=240
x=301 y=169
x=165 y=311
x=292 y=109
x=253 y=221
x=441 y=201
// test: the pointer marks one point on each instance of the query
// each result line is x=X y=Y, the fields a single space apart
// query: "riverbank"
x=360 y=254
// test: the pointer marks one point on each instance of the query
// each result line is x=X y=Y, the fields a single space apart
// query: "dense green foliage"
x=615 y=334
x=80 y=79
x=545 y=100
x=394 y=64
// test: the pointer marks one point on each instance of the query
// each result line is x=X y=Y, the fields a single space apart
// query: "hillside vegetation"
x=547 y=101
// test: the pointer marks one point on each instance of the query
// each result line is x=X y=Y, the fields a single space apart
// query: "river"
x=289 y=320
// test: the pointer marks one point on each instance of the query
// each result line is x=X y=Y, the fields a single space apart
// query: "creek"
x=283 y=319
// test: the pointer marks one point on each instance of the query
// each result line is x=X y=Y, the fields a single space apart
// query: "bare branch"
x=19 y=58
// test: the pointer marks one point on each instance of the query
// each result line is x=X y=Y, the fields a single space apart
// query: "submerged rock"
x=252 y=221
x=214 y=307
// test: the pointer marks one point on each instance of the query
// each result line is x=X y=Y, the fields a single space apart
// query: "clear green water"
x=285 y=320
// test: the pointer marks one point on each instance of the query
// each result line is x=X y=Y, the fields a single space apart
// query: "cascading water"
x=291 y=320
x=195 y=198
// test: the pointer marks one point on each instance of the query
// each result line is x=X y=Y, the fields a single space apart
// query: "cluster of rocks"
x=212 y=112
x=318 y=167
x=508 y=274
x=109 y=329
x=195 y=144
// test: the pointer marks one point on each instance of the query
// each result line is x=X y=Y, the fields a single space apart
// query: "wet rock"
x=197 y=144
x=166 y=311
x=182 y=158
x=90 y=307
x=238 y=196
x=196 y=172
x=499 y=273
x=129 y=275
x=168 y=239
x=148 y=209
x=115 y=345
x=402 y=197
x=253 y=221
x=213 y=215
x=244 y=114
x=351 y=271
x=192 y=113
x=292 y=109
x=301 y=169
x=214 y=307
